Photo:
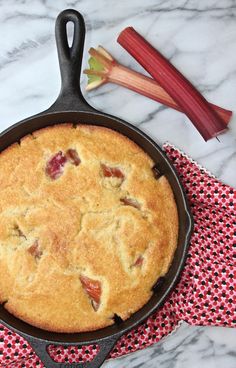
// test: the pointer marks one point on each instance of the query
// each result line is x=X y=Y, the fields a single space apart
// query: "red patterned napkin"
x=206 y=293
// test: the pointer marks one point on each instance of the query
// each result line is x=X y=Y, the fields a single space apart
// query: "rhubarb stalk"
x=104 y=68
x=192 y=103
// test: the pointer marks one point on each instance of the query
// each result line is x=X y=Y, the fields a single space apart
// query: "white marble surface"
x=199 y=36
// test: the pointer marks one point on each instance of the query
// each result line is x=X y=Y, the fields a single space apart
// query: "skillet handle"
x=70 y=60
x=105 y=346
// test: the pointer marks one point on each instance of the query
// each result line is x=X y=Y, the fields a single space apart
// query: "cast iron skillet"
x=71 y=106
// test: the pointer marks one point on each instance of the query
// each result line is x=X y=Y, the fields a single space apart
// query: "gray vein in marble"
x=212 y=87
x=151 y=115
x=28 y=16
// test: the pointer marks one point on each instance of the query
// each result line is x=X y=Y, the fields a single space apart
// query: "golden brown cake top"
x=85 y=228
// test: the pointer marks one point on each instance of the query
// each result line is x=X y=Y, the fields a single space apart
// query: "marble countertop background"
x=199 y=37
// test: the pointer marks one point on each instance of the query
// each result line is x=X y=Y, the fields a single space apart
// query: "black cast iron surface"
x=72 y=107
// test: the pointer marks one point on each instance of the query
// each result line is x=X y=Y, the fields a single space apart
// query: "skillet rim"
x=131 y=322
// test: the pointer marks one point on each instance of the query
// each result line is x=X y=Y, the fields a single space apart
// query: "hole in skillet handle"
x=70 y=27
x=40 y=347
x=70 y=53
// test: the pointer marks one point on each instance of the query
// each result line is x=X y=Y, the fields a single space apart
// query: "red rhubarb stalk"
x=104 y=68
x=148 y=87
x=191 y=102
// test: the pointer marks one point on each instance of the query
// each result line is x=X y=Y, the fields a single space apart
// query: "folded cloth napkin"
x=206 y=292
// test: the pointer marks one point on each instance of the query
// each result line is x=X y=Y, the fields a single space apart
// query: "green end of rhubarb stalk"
x=95 y=65
x=100 y=62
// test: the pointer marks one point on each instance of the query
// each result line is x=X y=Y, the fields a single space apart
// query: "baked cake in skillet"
x=86 y=229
